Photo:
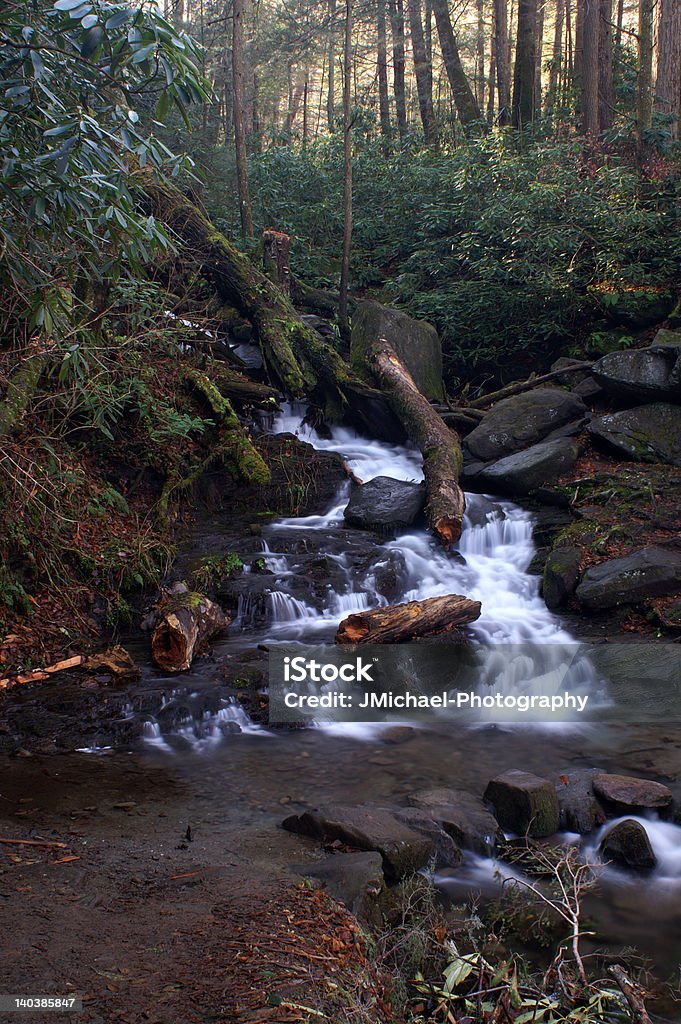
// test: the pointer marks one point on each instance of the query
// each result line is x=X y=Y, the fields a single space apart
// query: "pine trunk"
x=382 y=69
x=501 y=53
x=397 y=28
x=525 y=64
x=466 y=104
x=668 y=83
x=589 y=100
x=422 y=73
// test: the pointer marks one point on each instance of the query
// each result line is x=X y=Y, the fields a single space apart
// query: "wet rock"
x=521 y=421
x=639 y=375
x=665 y=340
x=528 y=470
x=650 y=572
x=355 y=879
x=524 y=803
x=369 y=828
x=650 y=433
x=385 y=504
x=463 y=816
x=580 y=810
x=626 y=793
x=480 y=510
x=416 y=342
x=627 y=843
x=561 y=575
x=446 y=853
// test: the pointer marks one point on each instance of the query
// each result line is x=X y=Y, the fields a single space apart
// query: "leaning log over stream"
x=442 y=458
x=185 y=622
x=400 y=623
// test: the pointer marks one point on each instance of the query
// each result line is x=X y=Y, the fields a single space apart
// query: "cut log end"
x=448 y=531
x=187 y=621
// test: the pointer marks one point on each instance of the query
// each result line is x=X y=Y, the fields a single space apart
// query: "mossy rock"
x=561 y=575
x=415 y=342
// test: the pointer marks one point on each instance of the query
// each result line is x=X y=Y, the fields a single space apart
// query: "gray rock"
x=580 y=810
x=649 y=433
x=527 y=470
x=446 y=853
x=521 y=421
x=524 y=803
x=355 y=879
x=665 y=340
x=650 y=572
x=639 y=374
x=384 y=504
x=368 y=828
x=480 y=510
x=626 y=793
x=463 y=816
x=561 y=574
x=416 y=343
x=627 y=843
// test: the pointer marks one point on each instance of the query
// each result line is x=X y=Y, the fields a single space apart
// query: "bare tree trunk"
x=255 y=124
x=330 y=96
x=501 y=53
x=620 y=22
x=525 y=64
x=306 y=93
x=480 y=55
x=347 y=170
x=644 y=99
x=397 y=28
x=422 y=72
x=569 y=75
x=382 y=68
x=466 y=104
x=491 y=77
x=238 y=69
x=668 y=83
x=556 y=58
x=539 y=44
x=296 y=93
x=589 y=104
x=605 y=91
x=578 y=63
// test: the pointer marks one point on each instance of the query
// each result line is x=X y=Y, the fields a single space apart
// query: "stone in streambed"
x=649 y=433
x=384 y=504
x=528 y=470
x=639 y=375
x=446 y=853
x=580 y=810
x=368 y=828
x=524 y=803
x=519 y=422
x=355 y=879
x=627 y=843
x=625 y=793
x=463 y=816
x=649 y=572
x=561 y=575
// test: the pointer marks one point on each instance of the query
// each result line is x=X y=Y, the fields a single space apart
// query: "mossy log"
x=439 y=445
x=241 y=389
x=401 y=623
x=296 y=357
x=187 y=621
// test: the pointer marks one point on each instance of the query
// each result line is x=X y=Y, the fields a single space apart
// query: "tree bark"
x=239 y=98
x=382 y=70
x=556 y=59
x=397 y=29
x=502 y=61
x=347 y=172
x=331 y=93
x=480 y=54
x=539 y=57
x=440 y=447
x=466 y=104
x=668 y=82
x=589 y=103
x=644 y=99
x=605 y=90
x=400 y=623
x=276 y=249
x=525 y=65
x=422 y=72
x=187 y=623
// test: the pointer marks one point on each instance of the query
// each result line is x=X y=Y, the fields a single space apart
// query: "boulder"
x=355 y=879
x=524 y=803
x=639 y=375
x=626 y=793
x=580 y=810
x=649 y=572
x=525 y=471
x=480 y=510
x=521 y=421
x=368 y=828
x=416 y=343
x=665 y=340
x=384 y=504
x=649 y=433
x=627 y=843
x=561 y=575
x=463 y=816
x=446 y=853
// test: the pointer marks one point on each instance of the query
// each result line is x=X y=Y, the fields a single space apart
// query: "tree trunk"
x=668 y=83
x=480 y=54
x=644 y=99
x=525 y=64
x=401 y=623
x=539 y=56
x=442 y=459
x=382 y=70
x=397 y=29
x=187 y=623
x=491 y=79
x=502 y=61
x=605 y=90
x=276 y=250
x=620 y=22
x=589 y=103
x=239 y=95
x=556 y=59
x=578 y=54
x=466 y=104
x=347 y=172
x=422 y=72
x=331 y=94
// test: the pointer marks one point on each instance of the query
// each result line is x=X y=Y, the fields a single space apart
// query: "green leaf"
x=91 y=41
x=67 y=5
x=89 y=20
x=118 y=19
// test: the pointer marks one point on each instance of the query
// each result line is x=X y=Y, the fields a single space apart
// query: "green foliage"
x=216 y=568
x=495 y=242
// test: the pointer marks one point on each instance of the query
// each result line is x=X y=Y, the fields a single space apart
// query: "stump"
x=186 y=622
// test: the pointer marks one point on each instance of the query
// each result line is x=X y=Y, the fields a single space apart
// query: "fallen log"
x=186 y=622
x=519 y=387
x=400 y=623
x=440 y=447
x=633 y=994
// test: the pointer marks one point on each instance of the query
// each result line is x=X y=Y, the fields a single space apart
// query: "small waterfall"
x=665 y=839
x=346 y=604
x=286 y=608
x=274 y=562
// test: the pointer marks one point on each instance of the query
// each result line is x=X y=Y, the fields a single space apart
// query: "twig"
x=32 y=842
